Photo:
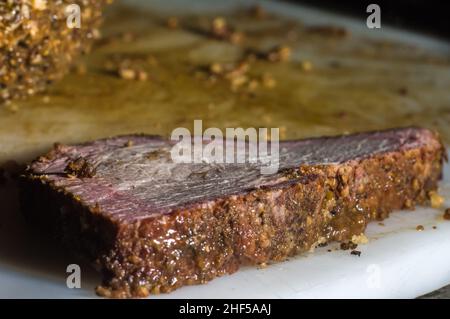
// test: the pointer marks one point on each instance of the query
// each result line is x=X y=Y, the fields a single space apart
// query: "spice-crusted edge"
x=128 y=253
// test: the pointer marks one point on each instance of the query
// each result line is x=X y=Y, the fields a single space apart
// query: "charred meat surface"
x=152 y=225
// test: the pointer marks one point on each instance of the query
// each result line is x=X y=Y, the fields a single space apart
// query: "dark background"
x=425 y=16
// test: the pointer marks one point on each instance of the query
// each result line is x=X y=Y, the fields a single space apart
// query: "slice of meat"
x=152 y=225
x=36 y=44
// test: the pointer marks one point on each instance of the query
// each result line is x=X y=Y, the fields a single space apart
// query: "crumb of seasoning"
x=172 y=22
x=222 y=31
x=436 y=200
x=280 y=53
x=142 y=75
x=447 y=214
x=381 y=224
x=127 y=73
x=216 y=68
x=268 y=81
x=434 y=227
x=356 y=253
x=129 y=143
x=360 y=239
x=420 y=228
x=345 y=246
x=329 y=250
x=219 y=26
x=306 y=66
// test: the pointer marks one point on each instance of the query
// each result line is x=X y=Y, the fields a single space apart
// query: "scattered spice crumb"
x=356 y=253
x=279 y=54
x=434 y=227
x=127 y=73
x=381 y=224
x=420 y=228
x=222 y=31
x=436 y=199
x=219 y=25
x=306 y=66
x=236 y=74
x=360 y=239
x=142 y=75
x=216 y=68
x=447 y=214
x=344 y=246
x=329 y=250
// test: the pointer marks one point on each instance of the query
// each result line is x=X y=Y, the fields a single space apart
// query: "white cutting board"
x=398 y=262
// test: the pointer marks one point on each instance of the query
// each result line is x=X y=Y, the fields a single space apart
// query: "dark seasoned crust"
x=193 y=242
x=37 y=46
